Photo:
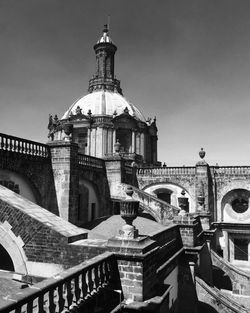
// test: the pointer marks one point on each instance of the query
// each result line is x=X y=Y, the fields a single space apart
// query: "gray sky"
x=187 y=62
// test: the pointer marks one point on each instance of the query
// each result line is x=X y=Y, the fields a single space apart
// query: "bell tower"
x=104 y=78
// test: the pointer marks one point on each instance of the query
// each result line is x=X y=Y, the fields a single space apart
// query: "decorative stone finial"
x=126 y=111
x=78 y=110
x=105 y=29
x=202 y=153
x=164 y=165
x=129 y=191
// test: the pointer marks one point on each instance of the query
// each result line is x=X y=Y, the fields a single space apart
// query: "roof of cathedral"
x=103 y=102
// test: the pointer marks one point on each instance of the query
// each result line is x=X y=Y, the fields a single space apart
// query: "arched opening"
x=6 y=262
x=125 y=139
x=164 y=194
x=88 y=201
x=221 y=279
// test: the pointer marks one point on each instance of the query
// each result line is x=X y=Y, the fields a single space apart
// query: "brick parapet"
x=190 y=230
x=137 y=263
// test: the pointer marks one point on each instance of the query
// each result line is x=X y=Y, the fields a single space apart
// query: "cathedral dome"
x=104 y=103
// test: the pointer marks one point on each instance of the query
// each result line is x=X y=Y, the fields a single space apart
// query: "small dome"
x=104 y=103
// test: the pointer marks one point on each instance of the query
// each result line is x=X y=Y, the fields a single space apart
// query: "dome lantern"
x=104 y=78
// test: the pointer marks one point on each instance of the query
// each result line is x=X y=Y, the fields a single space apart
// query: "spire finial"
x=202 y=153
x=108 y=22
x=105 y=29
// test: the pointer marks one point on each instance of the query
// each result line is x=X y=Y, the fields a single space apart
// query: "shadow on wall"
x=205 y=308
x=221 y=279
x=19 y=184
x=40 y=191
x=5 y=260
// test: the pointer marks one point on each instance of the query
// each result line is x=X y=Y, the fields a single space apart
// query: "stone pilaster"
x=64 y=159
x=201 y=184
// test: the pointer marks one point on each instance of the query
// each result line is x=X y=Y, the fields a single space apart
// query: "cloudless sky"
x=185 y=62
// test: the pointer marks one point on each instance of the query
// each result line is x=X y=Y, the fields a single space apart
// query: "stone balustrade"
x=126 y=155
x=20 y=145
x=69 y=291
x=230 y=170
x=166 y=171
x=217 y=299
x=162 y=211
x=90 y=162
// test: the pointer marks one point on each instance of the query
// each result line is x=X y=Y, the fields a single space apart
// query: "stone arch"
x=175 y=190
x=14 y=247
x=19 y=183
x=235 y=206
x=89 y=201
x=221 y=279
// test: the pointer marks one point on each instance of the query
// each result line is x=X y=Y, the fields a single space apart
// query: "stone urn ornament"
x=183 y=203
x=202 y=153
x=117 y=146
x=129 y=212
x=129 y=191
x=68 y=129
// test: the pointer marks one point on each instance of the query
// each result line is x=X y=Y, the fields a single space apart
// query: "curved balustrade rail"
x=231 y=170
x=162 y=211
x=91 y=162
x=225 y=264
x=68 y=290
x=20 y=145
x=166 y=171
x=217 y=297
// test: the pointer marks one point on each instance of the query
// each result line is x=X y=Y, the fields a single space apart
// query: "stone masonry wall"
x=38 y=171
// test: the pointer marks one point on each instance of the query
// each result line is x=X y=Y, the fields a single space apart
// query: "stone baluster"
x=40 y=303
x=90 y=281
x=96 y=277
x=102 y=278
x=84 y=286
x=77 y=290
x=46 y=302
x=69 y=297
x=61 y=300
